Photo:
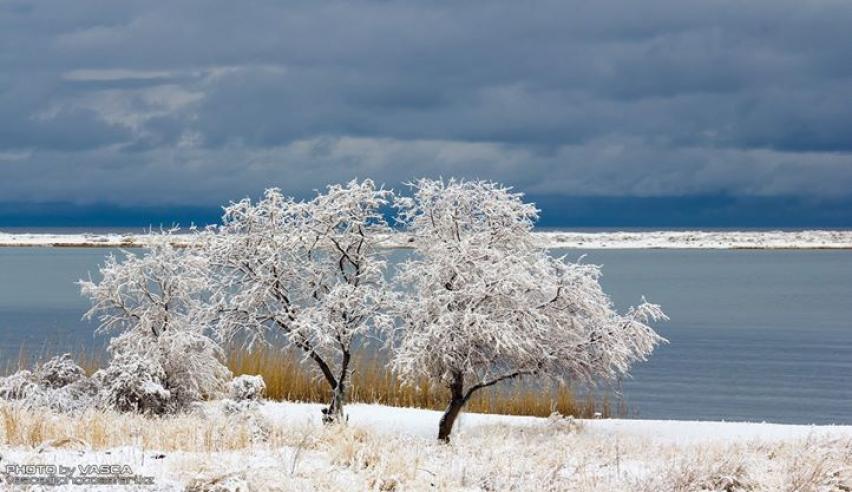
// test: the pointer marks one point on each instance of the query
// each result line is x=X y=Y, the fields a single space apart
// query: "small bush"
x=247 y=387
x=77 y=396
x=59 y=372
x=192 y=365
x=18 y=386
x=134 y=384
x=59 y=385
x=163 y=374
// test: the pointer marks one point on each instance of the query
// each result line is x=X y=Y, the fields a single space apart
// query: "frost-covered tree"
x=308 y=273
x=481 y=304
x=151 y=304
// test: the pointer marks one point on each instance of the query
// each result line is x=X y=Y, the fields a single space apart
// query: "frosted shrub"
x=193 y=367
x=134 y=384
x=78 y=396
x=18 y=385
x=246 y=388
x=63 y=386
x=59 y=371
x=59 y=385
x=175 y=371
x=152 y=303
x=186 y=364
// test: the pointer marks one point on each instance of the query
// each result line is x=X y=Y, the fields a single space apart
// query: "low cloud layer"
x=196 y=103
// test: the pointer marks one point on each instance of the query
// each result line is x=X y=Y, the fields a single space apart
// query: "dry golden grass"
x=89 y=359
x=293 y=454
x=26 y=427
x=288 y=379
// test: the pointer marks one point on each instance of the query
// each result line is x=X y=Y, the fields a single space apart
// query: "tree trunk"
x=445 y=427
x=334 y=412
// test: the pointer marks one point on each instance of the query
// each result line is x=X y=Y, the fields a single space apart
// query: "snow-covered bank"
x=283 y=446
x=83 y=240
x=424 y=423
x=816 y=239
x=698 y=240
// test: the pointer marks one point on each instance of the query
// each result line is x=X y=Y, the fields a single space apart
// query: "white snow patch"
x=424 y=423
x=683 y=431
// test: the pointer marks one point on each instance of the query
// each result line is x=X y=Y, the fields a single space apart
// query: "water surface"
x=755 y=335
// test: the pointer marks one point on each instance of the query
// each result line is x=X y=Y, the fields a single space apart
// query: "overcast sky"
x=139 y=103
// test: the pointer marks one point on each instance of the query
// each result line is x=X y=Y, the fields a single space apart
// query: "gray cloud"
x=195 y=102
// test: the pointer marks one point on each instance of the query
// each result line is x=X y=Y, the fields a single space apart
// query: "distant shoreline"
x=764 y=240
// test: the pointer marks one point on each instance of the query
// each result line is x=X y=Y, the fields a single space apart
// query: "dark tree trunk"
x=445 y=427
x=334 y=412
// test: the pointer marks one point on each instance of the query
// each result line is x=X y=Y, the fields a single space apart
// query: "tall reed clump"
x=90 y=359
x=372 y=382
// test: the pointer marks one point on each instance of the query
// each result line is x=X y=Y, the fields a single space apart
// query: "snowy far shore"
x=814 y=239
x=283 y=446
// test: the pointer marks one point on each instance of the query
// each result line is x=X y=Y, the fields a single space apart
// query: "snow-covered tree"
x=151 y=303
x=308 y=273
x=481 y=304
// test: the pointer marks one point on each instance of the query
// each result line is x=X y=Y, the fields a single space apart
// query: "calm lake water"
x=755 y=335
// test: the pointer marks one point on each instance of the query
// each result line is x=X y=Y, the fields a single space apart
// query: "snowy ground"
x=424 y=423
x=554 y=239
x=282 y=446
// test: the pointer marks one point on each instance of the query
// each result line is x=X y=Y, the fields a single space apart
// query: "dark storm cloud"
x=195 y=102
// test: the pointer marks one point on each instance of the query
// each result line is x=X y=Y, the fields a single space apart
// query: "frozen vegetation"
x=481 y=302
x=284 y=446
x=305 y=273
